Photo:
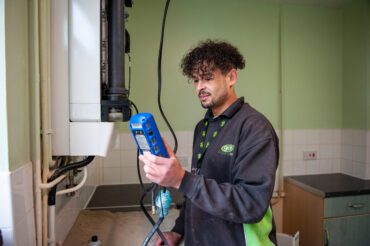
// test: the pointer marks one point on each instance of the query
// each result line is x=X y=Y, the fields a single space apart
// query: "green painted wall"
x=355 y=70
x=311 y=58
x=250 y=25
x=17 y=82
x=317 y=57
x=312 y=67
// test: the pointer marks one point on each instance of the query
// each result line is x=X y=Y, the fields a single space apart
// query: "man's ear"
x=232 y=76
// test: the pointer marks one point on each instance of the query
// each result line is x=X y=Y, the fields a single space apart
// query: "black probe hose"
x=152 y=188
x=160 y=75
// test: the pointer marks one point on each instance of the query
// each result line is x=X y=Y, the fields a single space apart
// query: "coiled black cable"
x=159 y=69
x=155 y=186
x=151 y=189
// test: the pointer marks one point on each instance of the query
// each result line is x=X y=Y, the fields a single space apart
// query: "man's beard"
x=214 y=102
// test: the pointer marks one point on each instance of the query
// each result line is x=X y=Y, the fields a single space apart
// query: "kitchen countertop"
x=331 y=185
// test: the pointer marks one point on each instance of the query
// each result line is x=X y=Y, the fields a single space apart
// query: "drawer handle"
x=326 y=239
x=356 y=205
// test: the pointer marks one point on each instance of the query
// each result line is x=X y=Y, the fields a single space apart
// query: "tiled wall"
x=326 y=143
x=355 y=153
x=68 y=208
x=16 y=207
x=119 y=167
x=337 y=150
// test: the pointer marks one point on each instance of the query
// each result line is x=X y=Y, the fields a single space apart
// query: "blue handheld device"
x=147 y=138
x=146 y=134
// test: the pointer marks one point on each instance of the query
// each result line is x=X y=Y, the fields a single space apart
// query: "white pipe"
x=51 y=226
x=35 y=98
x=61 y=192
x=53 y=183
x=38 y=204
x=44 y=58
x=281 y=105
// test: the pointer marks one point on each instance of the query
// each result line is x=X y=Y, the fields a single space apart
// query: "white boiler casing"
x=76 y=80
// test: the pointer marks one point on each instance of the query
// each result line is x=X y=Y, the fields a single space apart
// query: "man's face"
x=212 y=88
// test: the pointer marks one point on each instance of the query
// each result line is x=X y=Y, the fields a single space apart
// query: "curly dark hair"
x=210 y=55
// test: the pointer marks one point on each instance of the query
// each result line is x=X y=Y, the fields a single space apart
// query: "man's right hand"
x=173 y=238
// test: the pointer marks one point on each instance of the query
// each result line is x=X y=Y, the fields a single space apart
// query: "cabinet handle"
x=326 y=235
x=356 y=205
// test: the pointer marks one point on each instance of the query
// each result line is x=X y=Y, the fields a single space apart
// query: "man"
x=235 y=156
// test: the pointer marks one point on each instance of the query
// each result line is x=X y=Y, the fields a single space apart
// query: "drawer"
x=346 y=205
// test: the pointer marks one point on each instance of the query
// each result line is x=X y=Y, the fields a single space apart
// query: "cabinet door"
x=347 y=230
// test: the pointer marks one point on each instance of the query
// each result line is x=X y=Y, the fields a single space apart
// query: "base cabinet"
x=347 y=230
x=333 y=221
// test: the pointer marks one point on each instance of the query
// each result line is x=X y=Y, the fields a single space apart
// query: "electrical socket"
x=310 y=155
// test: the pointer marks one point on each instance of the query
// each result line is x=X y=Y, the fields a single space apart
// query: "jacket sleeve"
x=247 y=198
x=179 y=226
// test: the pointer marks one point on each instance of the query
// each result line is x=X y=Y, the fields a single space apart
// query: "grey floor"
x=115 y=228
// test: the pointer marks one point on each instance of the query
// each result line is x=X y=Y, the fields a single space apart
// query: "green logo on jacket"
x=227 y=149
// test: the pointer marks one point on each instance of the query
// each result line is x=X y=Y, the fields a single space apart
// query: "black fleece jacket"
x=236 y=178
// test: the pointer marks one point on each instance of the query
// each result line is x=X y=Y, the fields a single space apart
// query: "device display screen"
x=143 y=144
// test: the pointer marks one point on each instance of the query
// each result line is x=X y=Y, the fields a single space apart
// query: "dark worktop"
x=331 y=185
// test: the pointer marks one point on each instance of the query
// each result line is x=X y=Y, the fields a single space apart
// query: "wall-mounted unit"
x=87 y=84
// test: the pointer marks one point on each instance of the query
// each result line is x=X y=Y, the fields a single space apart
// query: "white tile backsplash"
x=119 y=167
x=8 y=238
x=129 y=175
x=337 y=150
x=347 y=137
x=22 y=197
x=326 y=166
x=339 y=147
x=116 y=142
x=336 y=165
x=68 y=208
x=66 y=217
x=347 y=166
x=6 y=209
x=111 y=175
x=288 y=137
x=313 y=167
x=24 y=230
x=113 y=159
x=299 y=137
x=359 y=137
x=347 y=152
x=313 y=137
x=359 y=154
x=359 y=170
x=326 y=151
x=127 y=141
x=16 y=208
x=128 y=158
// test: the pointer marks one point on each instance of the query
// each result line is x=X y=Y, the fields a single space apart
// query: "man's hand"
x=172 y=238
x=166 y=172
